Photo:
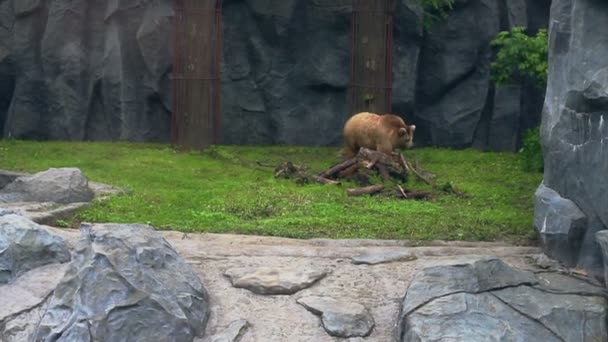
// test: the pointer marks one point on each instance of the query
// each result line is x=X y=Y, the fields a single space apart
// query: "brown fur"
x=383 y=133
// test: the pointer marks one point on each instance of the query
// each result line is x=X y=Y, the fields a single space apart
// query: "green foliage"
x=231 y=189
x=435 y=10
x=531 y=153
x=62 y=223
x=520 y=57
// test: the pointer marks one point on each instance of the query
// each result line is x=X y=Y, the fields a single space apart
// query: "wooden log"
x=383 y=172
x=420 y=194
x=324 y=181
x=368 y=190
x=369 y=165
x=348 y=171
x=415 y=194
x=338 y=167
x=367 y=154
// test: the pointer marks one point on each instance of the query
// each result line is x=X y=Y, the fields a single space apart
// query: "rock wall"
x=100 y=70
x=574 y=132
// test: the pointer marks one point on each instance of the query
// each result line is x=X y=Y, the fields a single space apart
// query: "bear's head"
x=405 y=136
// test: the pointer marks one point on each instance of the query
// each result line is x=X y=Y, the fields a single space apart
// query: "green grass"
x=226 y=190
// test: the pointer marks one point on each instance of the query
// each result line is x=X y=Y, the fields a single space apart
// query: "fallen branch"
x=410 y=168
x=368 y=190
x=338 y=167
x=415 y=194
x=349 y=171
x=289 y=170
x=401 y=190
x=324 y=181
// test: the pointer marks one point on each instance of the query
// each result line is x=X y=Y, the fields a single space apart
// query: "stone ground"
x=379 y=287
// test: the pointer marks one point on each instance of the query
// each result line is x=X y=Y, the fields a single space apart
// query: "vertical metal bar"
x=210 y=72
x=389 y=55
x=353 y=78
x=174 y=72
x=217 y=65
x=197 y=43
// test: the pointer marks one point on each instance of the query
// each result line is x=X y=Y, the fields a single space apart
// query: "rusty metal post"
x=196 y=73
x=371 y=62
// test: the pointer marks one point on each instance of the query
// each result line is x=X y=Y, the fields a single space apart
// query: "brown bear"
x=383 y=133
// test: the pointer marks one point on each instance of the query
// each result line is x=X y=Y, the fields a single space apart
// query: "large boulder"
x=126 y=283
x=59 y=185
x=25 y=245
x=474 y=300
x=7 y=177
x=100 y=70
x=560 y=224
x=574 y=131
x=25 y=300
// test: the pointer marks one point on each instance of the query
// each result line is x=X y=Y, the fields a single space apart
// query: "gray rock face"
x=489 y=300
x=574 y=132
x=602 y=240
x=340 y=317
x=7 y=177
x=285 y=71
x=270 y=281
x=383 y=257
x=560 y=224
x=25 y=245
x=4 y=211
x=233 y=332
x=25 y=300
x=63 y=185
x=126 y=283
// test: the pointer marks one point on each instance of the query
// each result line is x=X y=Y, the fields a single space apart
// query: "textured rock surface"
x=560 y=224
x=380 y=258
x=101 y=71
x=126 y=283
x=7 y=177
x=48 y=213
x=281 y=318
x=273 y=281
x=602 y=240
x=63 y=185
x=574 y=132
x=488 y=298
x=233 y=332
x=25 y=245
x=4 y=211
x=25 y=300
x=340 y=317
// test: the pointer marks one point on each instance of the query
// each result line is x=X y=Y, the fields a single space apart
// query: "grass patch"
x=231 y=189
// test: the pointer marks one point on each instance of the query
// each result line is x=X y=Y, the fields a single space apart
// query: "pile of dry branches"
x=361 y=169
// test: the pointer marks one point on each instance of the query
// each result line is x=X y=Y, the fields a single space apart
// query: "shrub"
x=520 y=57
x=435 y=10
x=531 y=154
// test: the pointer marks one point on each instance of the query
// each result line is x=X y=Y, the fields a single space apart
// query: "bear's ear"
x=402 y=131
x=413 y=127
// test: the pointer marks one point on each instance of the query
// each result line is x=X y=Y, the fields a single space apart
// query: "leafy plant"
x=62 y=223
x=520 y=57
x=532 y=153
x=435 y=10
